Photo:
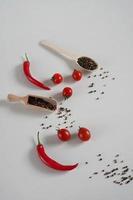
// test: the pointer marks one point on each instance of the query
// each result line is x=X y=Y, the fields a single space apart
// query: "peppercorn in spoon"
x=35 y=101
x=82 y=61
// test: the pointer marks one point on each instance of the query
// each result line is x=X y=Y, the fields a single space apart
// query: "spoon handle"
x=14 y=98
x=58 y=50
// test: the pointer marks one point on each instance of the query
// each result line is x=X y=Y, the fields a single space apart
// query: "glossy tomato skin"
x=77 y=75
x=64 y=134
x=67 y=92
x=84 y=134
x=57 y=78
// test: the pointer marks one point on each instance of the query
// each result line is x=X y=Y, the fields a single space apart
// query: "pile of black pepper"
x=41 y=102
x=87 y=63
x=117 y=170
x=100 y=75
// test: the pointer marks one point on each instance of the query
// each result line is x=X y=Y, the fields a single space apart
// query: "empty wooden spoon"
x=35 y=101
x=82 y=61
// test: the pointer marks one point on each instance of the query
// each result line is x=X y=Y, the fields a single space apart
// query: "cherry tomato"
x=77 y=75
x=84 y=134
x=64 y=134
x=67 y=92
x=57 y=78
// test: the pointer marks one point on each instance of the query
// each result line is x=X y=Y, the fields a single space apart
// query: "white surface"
x=101 y=29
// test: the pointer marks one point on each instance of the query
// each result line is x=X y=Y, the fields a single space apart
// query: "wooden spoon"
x=34 y=101
x=82 y=61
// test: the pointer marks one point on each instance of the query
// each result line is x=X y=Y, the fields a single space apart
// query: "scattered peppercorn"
x=95 y=173
x=91 y=85
x=123 y=175
x=101 y=76
x=125 y=167
x=98 y=155
x=90 y=92
x=100 y=159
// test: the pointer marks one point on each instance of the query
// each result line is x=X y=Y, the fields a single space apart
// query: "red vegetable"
x=26 y=69
x=49 y=161
x=67 y=92
x=77 y=75
x=57 y=78
x=84 y=134
x=64 y=134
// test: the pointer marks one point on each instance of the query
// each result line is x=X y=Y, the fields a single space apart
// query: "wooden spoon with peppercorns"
x=82 y=61
x=34 y=101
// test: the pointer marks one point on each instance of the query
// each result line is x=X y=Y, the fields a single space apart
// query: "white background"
x=100 y=29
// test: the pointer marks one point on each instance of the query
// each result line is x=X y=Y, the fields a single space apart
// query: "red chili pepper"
x=49 y=161
x=26 y=69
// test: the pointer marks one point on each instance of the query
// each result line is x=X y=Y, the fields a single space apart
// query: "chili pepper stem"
x=26 y=57
x=38 y=139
